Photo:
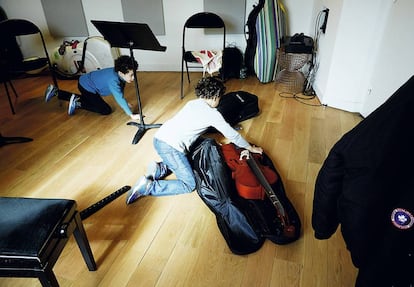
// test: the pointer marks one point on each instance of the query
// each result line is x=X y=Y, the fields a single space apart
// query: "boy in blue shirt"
x=101 y=83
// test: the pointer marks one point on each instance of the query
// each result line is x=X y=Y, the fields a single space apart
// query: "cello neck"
x=267 y=187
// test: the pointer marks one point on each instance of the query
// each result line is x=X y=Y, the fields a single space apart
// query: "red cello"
x=253 y=180
x=247 y=184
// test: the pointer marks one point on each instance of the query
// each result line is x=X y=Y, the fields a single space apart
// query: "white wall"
x=33 y=11
x=326 y=44
x=299 y=16
x=355 y=38
x=365 y=54
x=175 y=14
x=363 y=57
x=393 y=61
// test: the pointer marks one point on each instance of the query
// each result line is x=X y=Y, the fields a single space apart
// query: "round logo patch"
x=402 y=218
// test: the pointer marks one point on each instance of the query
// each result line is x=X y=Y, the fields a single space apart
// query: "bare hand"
x=255 y=149
x=135 y=116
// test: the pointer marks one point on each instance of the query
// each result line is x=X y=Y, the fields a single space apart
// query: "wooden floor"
x=168 y=241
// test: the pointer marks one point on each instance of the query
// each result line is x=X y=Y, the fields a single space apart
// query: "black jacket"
x=366 y=185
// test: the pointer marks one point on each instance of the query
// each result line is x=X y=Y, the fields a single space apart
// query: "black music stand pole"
x=142 y=126
x=131 y=36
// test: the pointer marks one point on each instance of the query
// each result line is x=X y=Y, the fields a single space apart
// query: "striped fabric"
x=270 y=28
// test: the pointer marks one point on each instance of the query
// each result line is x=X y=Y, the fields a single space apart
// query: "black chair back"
x=18 y=27
x=12 y=61
x=204 y=20
x=207 y=20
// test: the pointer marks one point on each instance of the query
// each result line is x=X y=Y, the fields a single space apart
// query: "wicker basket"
x=289 y=77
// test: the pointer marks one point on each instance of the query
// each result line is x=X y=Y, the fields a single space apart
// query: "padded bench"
x=33 y=233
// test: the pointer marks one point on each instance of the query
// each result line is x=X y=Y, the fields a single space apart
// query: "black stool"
x=33 y=233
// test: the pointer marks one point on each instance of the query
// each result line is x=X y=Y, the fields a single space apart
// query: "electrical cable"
x=301 y=98
x=313 y=63
x=308 y=92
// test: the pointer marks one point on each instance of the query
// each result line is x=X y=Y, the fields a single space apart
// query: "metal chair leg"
x=8 y=96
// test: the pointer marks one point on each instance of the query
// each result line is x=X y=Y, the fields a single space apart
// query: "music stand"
x=131 y=36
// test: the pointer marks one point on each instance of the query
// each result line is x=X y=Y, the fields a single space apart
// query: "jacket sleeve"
x=328 y=188
x=118 y=94
x=219 y=123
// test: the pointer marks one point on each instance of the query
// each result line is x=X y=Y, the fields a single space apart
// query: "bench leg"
x=48 y=278
x=83 y=243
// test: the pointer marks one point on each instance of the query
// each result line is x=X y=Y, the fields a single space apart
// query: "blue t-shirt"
x=106 y=82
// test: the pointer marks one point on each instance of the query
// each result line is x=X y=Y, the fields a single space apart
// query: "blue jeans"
x=176 y=162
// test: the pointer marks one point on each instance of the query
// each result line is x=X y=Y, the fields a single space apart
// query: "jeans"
x=176 y=162
x=93 y=102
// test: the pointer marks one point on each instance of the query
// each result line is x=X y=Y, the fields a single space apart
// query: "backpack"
x=232 y=63
x=238 y=106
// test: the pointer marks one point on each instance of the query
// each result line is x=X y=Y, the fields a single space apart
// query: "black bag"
x=298 y=43
x=245 y=224
x=232 y=63
x=238 y=106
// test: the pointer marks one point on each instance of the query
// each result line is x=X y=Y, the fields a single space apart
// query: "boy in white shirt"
x=174 y=138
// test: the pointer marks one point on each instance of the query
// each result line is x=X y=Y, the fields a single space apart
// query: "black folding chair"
x=202 y=20
x=12 y=63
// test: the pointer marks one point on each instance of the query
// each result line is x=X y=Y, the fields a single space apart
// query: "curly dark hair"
x=209 y=87
x=124 y=64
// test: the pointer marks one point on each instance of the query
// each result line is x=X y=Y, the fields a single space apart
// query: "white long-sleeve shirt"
x=192 y=121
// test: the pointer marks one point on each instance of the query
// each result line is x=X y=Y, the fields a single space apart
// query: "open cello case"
x=244 y=223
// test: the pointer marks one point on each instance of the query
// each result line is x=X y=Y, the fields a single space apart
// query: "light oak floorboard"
x=168 y=241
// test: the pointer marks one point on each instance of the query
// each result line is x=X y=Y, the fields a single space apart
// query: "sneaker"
x=50 y=92
x=73 y=104
x=140 y=189
x=153 y=171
